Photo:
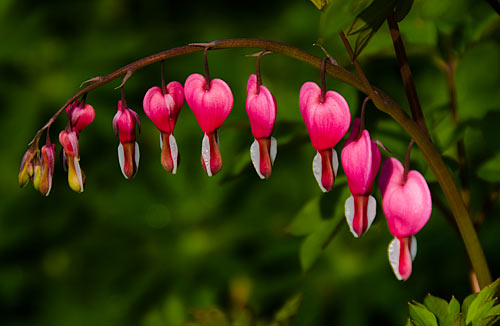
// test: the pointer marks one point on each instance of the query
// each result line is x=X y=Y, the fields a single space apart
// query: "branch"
x=382 y=101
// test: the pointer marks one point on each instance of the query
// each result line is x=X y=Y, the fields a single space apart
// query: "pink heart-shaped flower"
x=261 y=109
x=406 y=205
x=164 y=108
x=210 y=106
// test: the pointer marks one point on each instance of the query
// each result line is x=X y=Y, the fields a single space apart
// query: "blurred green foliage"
x=162 y=249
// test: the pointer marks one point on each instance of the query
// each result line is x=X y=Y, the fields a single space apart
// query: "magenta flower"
x=71 y=157
x=211 y=104
x=407 y=205
x=163 y=108
x=361 y=161
x=327 y=121
x=80 y=115
x=261 y=110
x=47 y=172
x=124 y=124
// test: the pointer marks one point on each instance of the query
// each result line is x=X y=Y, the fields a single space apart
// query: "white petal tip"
x=205 y=153
x=121 y=159
x=255 y=156
x=174 y=152
x=349 y=214
x=274 y=149
x=393 y=253
x=317 y=170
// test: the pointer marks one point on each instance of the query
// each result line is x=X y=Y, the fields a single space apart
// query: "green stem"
x=382 y=101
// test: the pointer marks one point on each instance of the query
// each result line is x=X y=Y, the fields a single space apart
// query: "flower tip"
x=169 y=153
x=402 y=252
x=211 y=159
x=325 y=166
x=128 y=157
x=263 y=154
x=360 y=213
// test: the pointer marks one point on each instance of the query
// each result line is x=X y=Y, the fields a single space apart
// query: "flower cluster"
x=406 y=199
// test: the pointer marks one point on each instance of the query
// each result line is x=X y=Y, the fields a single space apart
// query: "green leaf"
x=402 y=9
x=308 y=219
x=421 y=316
x=466 y=304
x=367 y=23
x=438 y=307
x=490 y=170
x=285 y=315
x=210 y=317
x=453 y=310
x=320 y=4
x=495 y=311
x=482 y=303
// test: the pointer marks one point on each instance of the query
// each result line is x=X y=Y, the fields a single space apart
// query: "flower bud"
x=48 y=161
x=26 y=169
x=124 y=124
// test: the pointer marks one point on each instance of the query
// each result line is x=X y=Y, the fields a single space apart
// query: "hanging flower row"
x=406 y=199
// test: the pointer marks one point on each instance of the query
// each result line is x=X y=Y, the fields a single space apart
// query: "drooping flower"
x=80 y=115
x=211 y=103
x=327 y=121
x=361 y=161
x=407 y=205
x=124 y=124
x=47 y=172
x=163 y=108
x=69 y=142
x=26 y=170
x=261 y=110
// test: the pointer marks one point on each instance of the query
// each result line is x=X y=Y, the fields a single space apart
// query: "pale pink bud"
x=407 y=205
x=124 y=124
x=327 y=121
x=211 y=106
x=361 y=161
x=80 y=115
x=26 y=170
x=76 y=177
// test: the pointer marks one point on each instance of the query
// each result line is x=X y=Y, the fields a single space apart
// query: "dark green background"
x=148 y=251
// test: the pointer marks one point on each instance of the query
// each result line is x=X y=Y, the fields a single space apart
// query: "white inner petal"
x=174 y=152
x=137 y=156
x=349 y=214
x=335 y=161
x=161 y=141
x=413 y=249
x=371 y=211
x=255 y=156
x=78 y=171
x=205 y=153
x=318 y=169
x=274 y=149
x=121 y=159
x=393 y=252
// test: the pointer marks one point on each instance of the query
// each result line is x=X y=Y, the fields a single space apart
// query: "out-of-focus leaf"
x=367 y=23
x=312 y=246
x=490 y=170
x=209 y=317
x=421 y=316
x=320 y=4
x=438 y=307
x=453 y=310
x=308 y=219
x=402 y=9
x=466 y=304
x=477 y=80
x=285 y=315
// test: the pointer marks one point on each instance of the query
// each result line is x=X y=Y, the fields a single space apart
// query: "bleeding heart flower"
x=47 y=173
x=361 y=161
x=211 y=104
x=261 y=110
x=124 y=124
x=69 y=142
x=80 y=115
x=163 y=108
x=407 y=205
x=327 y=121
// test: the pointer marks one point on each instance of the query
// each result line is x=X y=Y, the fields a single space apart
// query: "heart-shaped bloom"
x=361 y=161
x=124 y=124
x=261 y=110
x=407 y=205
x=71 y=157
x=211 y=104
x=80 y=115
x=163 y=108
x=327 y=121
x=47 y=173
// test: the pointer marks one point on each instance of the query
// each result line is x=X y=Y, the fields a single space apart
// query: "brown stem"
x=406 y=75
x=124 y=101
x=407 y=161
x=207 y=71
x=323 y=80
x=362 y=117
x=382 y=101
x=163 y=87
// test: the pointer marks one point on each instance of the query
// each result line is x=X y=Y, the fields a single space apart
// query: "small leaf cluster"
x=478 y=309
